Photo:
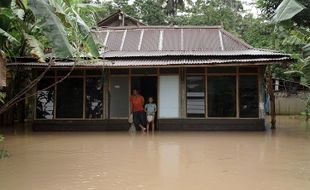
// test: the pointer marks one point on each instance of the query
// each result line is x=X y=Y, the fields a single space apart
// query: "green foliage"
x=36 y=47
x=151 y=12
x=52 y=28
x=286 y=10
x=173 y=6
x=307 y=110
x=28 y=27
x=306 y=50
x=297 y=37
x=2 y=97
x=268 y=8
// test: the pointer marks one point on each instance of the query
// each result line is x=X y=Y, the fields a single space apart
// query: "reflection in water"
x=183 y=160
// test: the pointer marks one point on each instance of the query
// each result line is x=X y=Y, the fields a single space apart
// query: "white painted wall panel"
x=169 y=96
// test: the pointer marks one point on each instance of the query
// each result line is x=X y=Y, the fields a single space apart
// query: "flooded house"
x=201 y=78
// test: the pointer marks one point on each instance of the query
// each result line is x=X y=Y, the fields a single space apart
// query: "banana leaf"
x=287 y=10
x=35 y=46
x=9 y=37
x=86 y=34
x=52 y=28
x=306 y=50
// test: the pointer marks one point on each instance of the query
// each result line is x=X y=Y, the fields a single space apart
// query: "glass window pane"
x=94 y=96
x=222 y=96
x=144 y=71
x=94 y=72
x=169 y=70
x=248 y=96
x=49 y=73
x=248 y=69
x=221 y=70
x=45 y=99
x=119 y=71
x=70 y=98
x=195 y=70
x=195 y=95
x=64 y=72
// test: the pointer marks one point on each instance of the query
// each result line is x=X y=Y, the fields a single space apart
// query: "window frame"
x=205 y=94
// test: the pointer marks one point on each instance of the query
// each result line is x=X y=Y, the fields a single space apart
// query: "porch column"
x=261 y=90
x=182 y=93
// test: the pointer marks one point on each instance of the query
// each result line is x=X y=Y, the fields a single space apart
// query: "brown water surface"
x=266 y=160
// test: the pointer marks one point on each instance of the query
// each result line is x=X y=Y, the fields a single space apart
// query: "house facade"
x=201 y=78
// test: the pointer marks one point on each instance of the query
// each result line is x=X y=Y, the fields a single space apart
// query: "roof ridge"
x=161 y=27
x=236 y=39
x=118 y=12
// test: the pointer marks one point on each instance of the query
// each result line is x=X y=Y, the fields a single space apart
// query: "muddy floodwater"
x=278 y=160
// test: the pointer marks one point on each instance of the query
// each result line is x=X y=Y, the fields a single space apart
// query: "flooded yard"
x=278 y=160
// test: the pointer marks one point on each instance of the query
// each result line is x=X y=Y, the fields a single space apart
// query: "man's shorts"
x=138 y=118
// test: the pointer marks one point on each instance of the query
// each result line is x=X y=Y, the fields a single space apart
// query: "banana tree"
x=300 y=37
x=32 y=25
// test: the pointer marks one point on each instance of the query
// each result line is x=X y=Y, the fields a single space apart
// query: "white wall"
x=168 y=96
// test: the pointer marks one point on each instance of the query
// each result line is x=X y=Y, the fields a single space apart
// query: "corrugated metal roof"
x=156 y=62
x=150 y=40
x=172 y=46
x=114 y=40
x=248 y=52
x=184 y=62
x=130 y=43
x=172 y=39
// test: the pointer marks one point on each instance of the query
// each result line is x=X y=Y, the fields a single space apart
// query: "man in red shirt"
x=136 y=105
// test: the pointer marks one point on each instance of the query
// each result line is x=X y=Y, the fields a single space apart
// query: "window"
x=144 y=71
x=195 y=96
x=222 y=96
x=64 y=72
x=45 y=99
x=94 y=95
x=169 y=70
x=119 y=71
x=70 y=98
x=248 y=69
x=221 y=70
x=195 y=70
x=248 y=96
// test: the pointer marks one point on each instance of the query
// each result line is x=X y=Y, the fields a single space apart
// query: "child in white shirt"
x=150 y=108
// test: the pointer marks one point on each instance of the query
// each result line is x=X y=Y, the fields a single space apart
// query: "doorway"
x=146 y=85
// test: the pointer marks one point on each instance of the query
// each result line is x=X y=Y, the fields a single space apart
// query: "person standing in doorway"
x=150 y=108
x=136 y=105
